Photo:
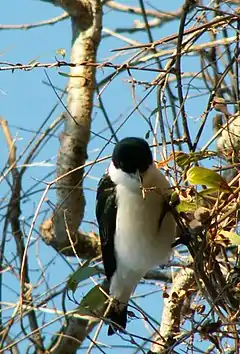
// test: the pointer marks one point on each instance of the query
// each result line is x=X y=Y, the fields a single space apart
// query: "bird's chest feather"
x=139 y=242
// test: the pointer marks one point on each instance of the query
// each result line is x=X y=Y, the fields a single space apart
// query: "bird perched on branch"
x=136 y=225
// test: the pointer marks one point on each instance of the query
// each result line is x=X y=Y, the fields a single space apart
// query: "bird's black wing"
x=106 y=212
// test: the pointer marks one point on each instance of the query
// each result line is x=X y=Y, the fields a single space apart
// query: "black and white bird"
x=136 y=229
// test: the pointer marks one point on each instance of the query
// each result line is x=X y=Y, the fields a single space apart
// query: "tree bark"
x=86 y=18
x=172 y=311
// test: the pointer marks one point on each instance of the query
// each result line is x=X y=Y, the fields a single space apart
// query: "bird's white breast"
x=139 y=242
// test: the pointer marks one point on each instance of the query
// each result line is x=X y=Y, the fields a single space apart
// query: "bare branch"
x=13 y=215
x=86 y=20
x=26 y=26
x=171 y=317
x=219 y=21
x=164 y=16
x=58 y=64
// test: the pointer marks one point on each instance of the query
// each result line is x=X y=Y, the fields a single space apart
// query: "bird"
x=136 y=225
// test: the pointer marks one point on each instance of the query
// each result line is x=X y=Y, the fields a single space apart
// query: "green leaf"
x=69 y=75
x=79 y=275
x=182 y=159
x=207 y=177
x=34 y=61
x=61 y=51
x=208 y=191
x=174 y=199
x=232 y=237
x=154 y=112
x=185 y=207
x=64 y=74
x=92 y=301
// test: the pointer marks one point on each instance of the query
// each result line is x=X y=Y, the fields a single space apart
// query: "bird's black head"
x=132 y=155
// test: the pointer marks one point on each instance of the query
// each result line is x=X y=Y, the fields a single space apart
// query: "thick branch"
x=86 y=27
x=73 y=336
x=86 y=20
x=86 y=245
x=171 y=317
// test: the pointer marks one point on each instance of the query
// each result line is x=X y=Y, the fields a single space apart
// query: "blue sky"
x=26 y=100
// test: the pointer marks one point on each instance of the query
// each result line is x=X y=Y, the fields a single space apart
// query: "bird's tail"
x=118 y=316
